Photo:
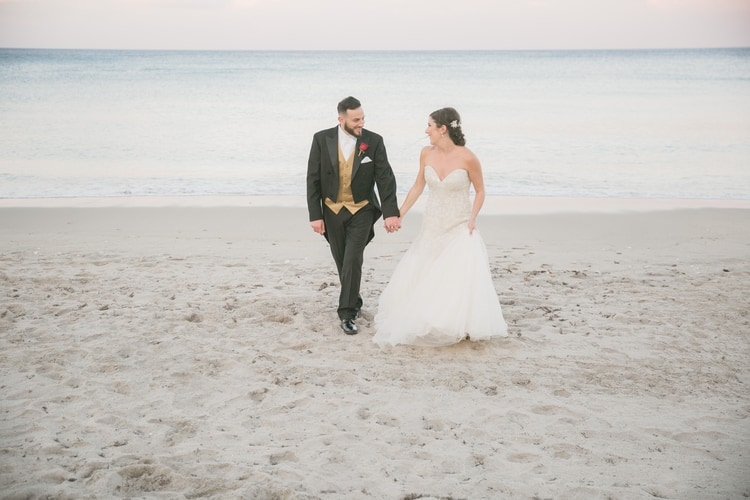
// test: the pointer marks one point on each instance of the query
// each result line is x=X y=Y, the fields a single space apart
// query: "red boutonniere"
x=362 y=148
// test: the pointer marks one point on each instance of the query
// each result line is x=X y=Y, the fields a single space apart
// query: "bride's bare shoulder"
x=467 y=154
x=426 y=151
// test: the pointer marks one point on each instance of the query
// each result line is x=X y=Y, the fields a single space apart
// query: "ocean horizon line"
x=403 y=51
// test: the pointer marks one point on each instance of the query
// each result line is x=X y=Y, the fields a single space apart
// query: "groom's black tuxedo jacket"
x=323 y=173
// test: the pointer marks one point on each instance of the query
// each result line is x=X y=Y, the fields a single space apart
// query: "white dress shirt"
x=346 y=142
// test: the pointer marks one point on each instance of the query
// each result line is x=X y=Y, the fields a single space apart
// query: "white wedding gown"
x=441 y=291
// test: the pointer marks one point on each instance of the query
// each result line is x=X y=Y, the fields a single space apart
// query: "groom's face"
x=353 y=121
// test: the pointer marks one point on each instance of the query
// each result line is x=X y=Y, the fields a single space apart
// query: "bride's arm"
x=475 y=175
x=416 y=189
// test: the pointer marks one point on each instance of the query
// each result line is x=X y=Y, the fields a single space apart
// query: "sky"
x=374 y=24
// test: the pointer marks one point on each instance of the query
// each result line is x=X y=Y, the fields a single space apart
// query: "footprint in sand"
x=523 y=458
x=143 y=478
x=286 y=456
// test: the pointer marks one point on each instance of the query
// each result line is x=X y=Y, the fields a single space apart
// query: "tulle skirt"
x=441 y=292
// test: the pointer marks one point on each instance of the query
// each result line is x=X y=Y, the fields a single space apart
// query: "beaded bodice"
x=448 y=204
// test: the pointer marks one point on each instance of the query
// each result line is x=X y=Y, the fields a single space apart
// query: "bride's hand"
x=472 y=226
x=392 y=224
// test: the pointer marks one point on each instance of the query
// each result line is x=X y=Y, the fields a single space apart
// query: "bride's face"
x=433 y=131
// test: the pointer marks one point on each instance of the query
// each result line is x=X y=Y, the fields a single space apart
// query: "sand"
x=194 y=352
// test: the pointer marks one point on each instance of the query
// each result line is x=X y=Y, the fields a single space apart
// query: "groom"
x=345 y=164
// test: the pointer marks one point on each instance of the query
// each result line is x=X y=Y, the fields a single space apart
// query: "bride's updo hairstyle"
x=452 y=121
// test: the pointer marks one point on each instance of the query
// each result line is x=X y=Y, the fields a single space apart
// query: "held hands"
x=392 y=224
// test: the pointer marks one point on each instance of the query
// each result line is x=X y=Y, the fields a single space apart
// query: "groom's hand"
x=318 y=226
x=392 y=224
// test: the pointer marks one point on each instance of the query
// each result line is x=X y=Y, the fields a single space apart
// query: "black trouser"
x=348 y=236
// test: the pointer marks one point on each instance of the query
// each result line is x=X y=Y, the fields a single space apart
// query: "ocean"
x=671 y=124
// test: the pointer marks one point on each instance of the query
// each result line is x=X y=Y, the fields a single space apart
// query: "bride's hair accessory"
x=455 y=124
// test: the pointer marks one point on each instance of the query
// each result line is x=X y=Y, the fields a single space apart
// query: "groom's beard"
x=351 y=131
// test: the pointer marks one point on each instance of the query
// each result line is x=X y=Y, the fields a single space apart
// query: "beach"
x=188 y=351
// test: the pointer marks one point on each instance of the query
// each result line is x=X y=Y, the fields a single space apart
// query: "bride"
x=441 y=291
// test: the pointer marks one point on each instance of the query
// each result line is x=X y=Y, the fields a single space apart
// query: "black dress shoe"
x=348 y=326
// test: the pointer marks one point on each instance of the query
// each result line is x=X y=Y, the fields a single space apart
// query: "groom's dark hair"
x=348 y=103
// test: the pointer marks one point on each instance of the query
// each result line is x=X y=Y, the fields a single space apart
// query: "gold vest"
x=344 y=197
